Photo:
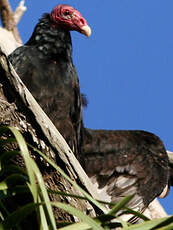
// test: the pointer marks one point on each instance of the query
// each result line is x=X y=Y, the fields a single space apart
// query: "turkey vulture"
x=45 y=65
x=119 y=162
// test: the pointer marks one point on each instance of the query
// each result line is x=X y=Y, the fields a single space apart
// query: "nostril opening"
x=82 y=21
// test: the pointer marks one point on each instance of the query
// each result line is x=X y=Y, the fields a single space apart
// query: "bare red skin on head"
x=67 y=17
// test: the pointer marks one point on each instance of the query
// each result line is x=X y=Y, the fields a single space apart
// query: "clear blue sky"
x=126 y=67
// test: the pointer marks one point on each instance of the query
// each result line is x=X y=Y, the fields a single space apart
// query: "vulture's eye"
x=66 y=13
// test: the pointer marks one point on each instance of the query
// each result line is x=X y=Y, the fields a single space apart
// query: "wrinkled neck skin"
x=51 y=41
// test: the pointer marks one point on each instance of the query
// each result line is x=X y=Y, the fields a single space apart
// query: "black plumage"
x=45 y=65
x=120 y=162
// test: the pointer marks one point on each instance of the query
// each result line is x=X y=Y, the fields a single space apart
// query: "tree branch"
x=19 y=11
x=8 y=20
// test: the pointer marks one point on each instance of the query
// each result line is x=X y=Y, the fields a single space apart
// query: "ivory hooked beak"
x=86 y=30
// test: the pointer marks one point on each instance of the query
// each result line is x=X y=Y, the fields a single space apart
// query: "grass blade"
x=25 y=153
x=75 y=212
x=120 y=205
x=77 y=226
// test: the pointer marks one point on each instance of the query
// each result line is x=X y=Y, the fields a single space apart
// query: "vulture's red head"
x=69 y=18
